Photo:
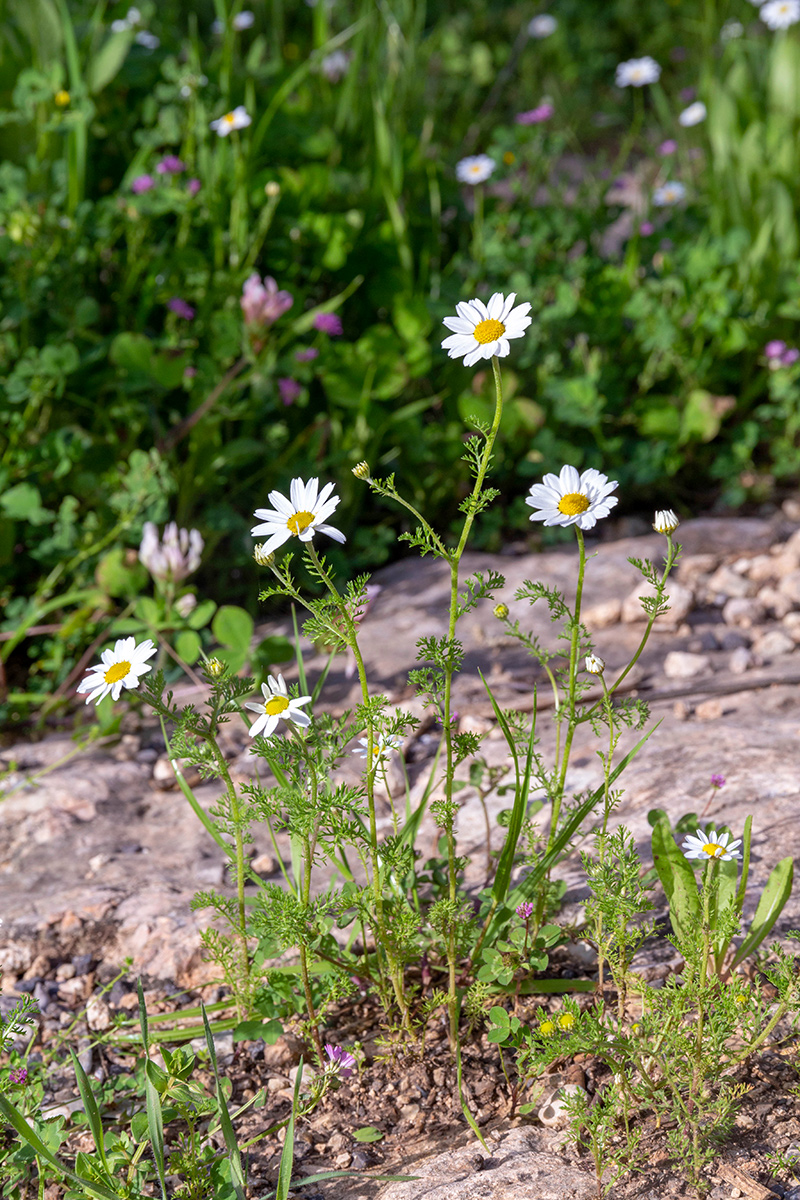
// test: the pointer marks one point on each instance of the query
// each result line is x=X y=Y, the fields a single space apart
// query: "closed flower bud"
x=595 y=664
x=361 y=470
x=500 y=611
x=666 y=521
x=262 y=558
x=214 y=667
x=272 y=188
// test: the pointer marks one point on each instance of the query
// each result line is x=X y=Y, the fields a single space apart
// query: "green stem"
x=573 y=673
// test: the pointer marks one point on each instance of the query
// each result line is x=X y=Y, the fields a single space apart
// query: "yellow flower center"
x=711 y=849
x=573 y=503
x=566 y=1020
x=299 y=521
x=275 y=706
x=547 y=1027
x=62 y=98
x=488 y=331
x=117 y=672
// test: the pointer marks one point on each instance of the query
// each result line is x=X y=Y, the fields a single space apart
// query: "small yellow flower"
x=500 y=611
x=62 y=98
x=566 y=1021
x=547 y=1028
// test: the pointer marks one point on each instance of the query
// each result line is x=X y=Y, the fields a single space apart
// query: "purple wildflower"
x=289 y=390
x=525 y=910
x=307 y=355
x=646 y=228
x=180 y=308
x=18 y=1075
x=535 y=116
x=142 y=183
x=668 y=147
x=193 y=187
x=328 y=323
x=789 y=357
x=341 y=1061
x=718 y=781
x=189 y=372
x=263 y=303
x=775 y=349
x=170 y=165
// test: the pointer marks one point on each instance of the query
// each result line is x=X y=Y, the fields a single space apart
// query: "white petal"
x=277 y=539
x=482 y=309
x=459 y=324
x=258 y=726
x=474 y=356
x=296 y=492
x=271 y=725
x=569 y=480
x=495 y=306
x=502 y=347
x=279 y=503
x=310 y=499
x=465 y=310
x=332 y=533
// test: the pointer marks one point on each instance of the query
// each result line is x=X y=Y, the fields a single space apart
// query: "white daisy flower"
x=636 y=72
x=665 y=521
x=238 y=119
x=672 y=192
x=693 y=115
x=780 y=14
x=711 y=845
x=595 y=664
x=482 y=330
x=118 y=668
x=276 y=707
x=572 y=499
x=302 y=516
x=542 y=26
x=382 y=746
x=243 y=20
x=475 y=169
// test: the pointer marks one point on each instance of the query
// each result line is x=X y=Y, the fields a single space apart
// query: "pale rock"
x=744 y=611
x=15 y=958
x=603 y=615
x=553 y=1112
x=695 y=567
x=127 y=748
x=343 y=1160
x=741 y=660
x=276 y=1084
x=98 y=1014
x=164 y=776
x=792 y=544
x=726 y=583
x=337 y=1143
x=679 y=664
x=762 y=569
x=682 y=711
x=474 y=724
x=287 y=1049
x=680 y=600
x=264 y=865
x=308 y=1075
x=773 y=643
x=791 y=623
x=709 y=710
x=775 y=602
x=790 y=586
x=731 y=639
x=784 y=564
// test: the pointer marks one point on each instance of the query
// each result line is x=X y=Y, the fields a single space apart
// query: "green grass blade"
x=237 y=1175
x=29 y=1135
x=468 y=1117
x=287 y=1154
x=298 y=653
x=773 y=898
x=91 y=1110
x=155 y=1118
x=748 y=825
x=505 y=865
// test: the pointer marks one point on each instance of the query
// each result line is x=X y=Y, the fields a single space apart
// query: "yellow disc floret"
x=488 y=331
x=711 y=849
x=117 y=672
x=276 y=706
x=573 y=503
x=62 y=98
x=299 y=521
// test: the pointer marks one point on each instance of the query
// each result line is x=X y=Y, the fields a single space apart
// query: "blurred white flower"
x=119 y=668
x=636 y=72
x=119 y=26
x=780 y=14
x=693 y=115
x=239 y=118
x=334 y=66
x=173 y=558
x=217 y=26
x=482 y=330
x=731 y=30
x=305 y=514
x=475 y=169
x=572 y=499
x=148 y=40
x=542 y=26
x=670 y=193
x=243 y=20
x=276 y=707
x=186 y=604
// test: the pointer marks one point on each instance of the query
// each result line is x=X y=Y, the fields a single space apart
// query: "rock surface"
x=517 y=1167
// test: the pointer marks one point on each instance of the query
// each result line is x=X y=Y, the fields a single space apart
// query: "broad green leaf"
x=201 y=615
x=24 y=503
x=233 y=627
x=251 y=1031
x=108 y=60
x=187 y=646
x=773 y=899
x=677 y=879
x=367 y=1133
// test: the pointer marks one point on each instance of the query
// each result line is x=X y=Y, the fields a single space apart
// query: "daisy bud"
x=595 y=664
x=361 y=470
x=272 y=188
x=666 y=522
x=500 y=611
x=214 y=667
x=262 y=558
